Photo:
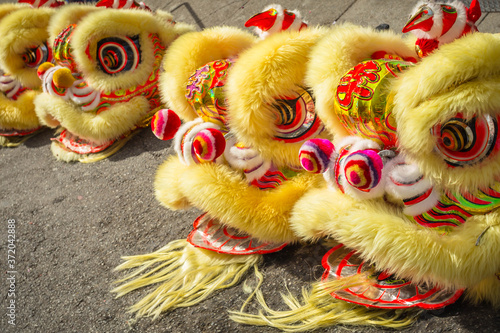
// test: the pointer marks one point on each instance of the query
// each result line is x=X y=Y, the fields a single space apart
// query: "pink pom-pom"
x=209 y=144
x=363 y=169
x=315 y=155
x=165 y=124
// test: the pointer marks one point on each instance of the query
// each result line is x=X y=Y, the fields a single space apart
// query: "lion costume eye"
x=37 y=55
x=296 y=119
x=463 y=142
x=118 y=54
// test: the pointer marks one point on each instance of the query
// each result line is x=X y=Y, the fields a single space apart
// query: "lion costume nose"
x=62 y=77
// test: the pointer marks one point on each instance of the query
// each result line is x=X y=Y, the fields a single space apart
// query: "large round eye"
x=463 y=141
x=37 y=55
x=296 y=118
x=118 y=54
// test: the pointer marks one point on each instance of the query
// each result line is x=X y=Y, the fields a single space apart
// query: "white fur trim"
x=259 y=172
x=398 y=171
x=357 y=143
x=246 y=159
x=188 y=132
x=425 y=205
x=364 y=144
x=47 y=83
x=346 y=141
x=329 y=176
x=406 y=181
x=9 y=85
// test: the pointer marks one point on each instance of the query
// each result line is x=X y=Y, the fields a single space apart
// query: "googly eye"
x=296 y=118
x=118 y=54
x=463 y=142
x=35 y=56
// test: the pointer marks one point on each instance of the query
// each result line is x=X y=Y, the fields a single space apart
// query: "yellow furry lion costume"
x=410 y=188
x=413 y=193
x=104 y=85
x=228 y=87
x=24 y=46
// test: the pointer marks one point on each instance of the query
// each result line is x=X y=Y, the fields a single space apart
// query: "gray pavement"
x=75 y=221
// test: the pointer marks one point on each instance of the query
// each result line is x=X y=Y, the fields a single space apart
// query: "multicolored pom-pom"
x=315 y=155
x=165 y=124
x=208 y=144
x=363 y=169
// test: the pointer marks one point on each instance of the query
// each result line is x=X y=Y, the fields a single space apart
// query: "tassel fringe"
x=320 y=309
x=186 y=276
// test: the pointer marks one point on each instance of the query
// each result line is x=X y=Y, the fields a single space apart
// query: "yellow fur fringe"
x=319 y=308
x=487 y=290
x=7 y=8
x=66 y=15
x=185 y=276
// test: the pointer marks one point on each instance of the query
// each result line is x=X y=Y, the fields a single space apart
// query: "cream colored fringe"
x=320 y=309
x=186 y=276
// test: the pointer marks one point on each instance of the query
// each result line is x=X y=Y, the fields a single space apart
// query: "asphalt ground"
x=73 y=222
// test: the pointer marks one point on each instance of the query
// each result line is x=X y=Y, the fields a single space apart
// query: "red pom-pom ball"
x=165 y=124
x=209 y=144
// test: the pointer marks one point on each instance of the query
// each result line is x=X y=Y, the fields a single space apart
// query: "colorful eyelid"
x=118 y=53
x=463 y=142
x=36 y=55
